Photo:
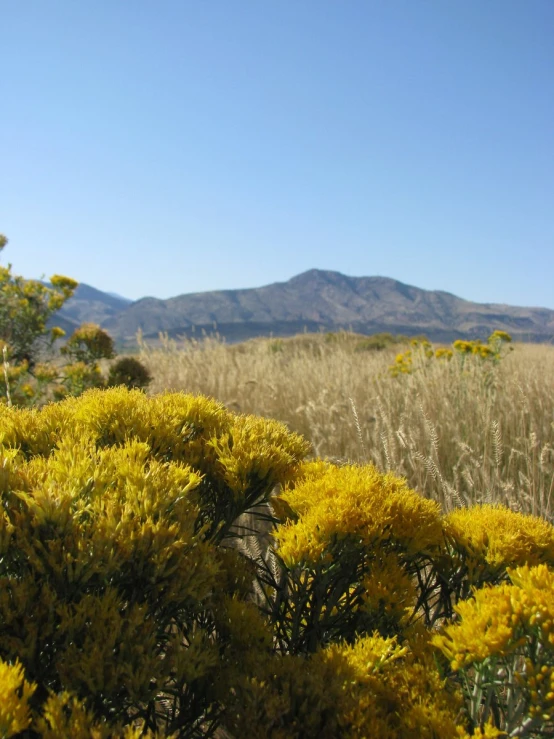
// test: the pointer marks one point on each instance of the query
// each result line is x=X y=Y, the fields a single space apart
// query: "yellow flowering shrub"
x=443 y=353
x=113 y=589
x=492 y=350
x=502 y=645
x=386 y=688
x=33 y=432
x=486 y=731
x=484 y=540
x=389 y=592
x=89 y=343
x=128 y=607
x=334 y=504
x=64 y=715
x=26 y=308
x=351 y=543
x=374 y=687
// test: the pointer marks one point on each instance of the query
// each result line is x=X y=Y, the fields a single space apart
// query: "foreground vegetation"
x=133 y=602
x=172 y=568
x=460 y=430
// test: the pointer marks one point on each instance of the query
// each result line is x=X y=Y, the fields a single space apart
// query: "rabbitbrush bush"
x=27 y=379
x=136 y=597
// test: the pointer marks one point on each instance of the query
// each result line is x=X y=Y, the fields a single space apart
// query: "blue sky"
x=161 y=148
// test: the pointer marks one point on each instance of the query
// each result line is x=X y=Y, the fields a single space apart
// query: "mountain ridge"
x=317 y=300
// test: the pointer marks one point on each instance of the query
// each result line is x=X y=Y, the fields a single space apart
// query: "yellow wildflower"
x=388 y=693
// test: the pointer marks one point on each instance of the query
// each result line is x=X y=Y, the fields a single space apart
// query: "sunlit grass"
x=460 y=432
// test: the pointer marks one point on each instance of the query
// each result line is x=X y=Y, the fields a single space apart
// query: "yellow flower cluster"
x=257 y=451
x=357 y=504
x=474 y=347
x=56 y=332
x=500 y=336
x=488 y=731
x=89 y=343
x=65 y=284
x=45 y=372
x=385 y=688
x=403 y=364
x=421 y=351
x=509 y=621
x=486 y=539
x=491 y=350
x=15 y=372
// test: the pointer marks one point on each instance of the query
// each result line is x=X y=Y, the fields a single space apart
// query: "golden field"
x=461 y=431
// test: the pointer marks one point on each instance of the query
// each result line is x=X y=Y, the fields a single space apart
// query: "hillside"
x=325 y=300
x=89 y=305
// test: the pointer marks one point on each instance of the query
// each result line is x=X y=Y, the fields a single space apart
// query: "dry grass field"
x=461 y=431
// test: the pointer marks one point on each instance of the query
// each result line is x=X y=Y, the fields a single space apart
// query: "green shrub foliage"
x=136 y=598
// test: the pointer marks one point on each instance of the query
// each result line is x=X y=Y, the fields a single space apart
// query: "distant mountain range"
x=89 y=305
x=317 y=300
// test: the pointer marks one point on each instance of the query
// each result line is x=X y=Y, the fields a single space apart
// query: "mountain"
x=89 y=305
x=315 y=300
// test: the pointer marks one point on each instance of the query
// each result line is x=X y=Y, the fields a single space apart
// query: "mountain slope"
x=89 y=305
x=324 y=300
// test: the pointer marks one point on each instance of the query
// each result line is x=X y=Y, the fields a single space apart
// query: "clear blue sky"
x=160 y=148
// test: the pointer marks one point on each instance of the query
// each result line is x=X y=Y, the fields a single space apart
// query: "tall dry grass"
x=459 y=432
